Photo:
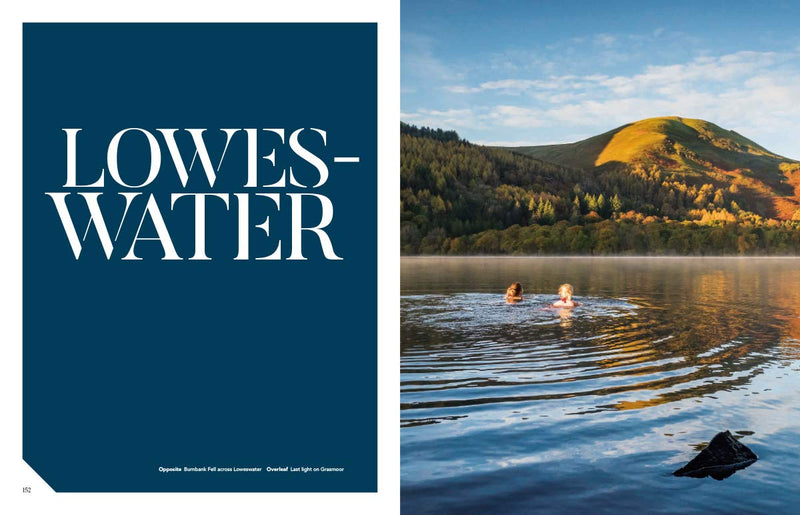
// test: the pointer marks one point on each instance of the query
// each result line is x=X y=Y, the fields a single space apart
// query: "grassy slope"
x=698 y=150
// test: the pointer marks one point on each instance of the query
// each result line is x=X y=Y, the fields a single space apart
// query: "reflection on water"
x=510 y=406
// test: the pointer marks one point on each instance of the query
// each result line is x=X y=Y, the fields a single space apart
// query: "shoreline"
x=585 y=256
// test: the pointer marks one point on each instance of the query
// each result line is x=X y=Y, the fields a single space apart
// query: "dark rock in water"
x=723 y=456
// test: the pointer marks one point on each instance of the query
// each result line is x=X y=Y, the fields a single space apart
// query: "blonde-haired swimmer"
x=565 y=292
x=514 y=293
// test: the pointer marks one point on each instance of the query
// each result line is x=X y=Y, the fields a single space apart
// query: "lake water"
x=525 y=408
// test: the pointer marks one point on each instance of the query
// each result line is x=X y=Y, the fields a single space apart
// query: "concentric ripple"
x=659 y=356
x=474 y=349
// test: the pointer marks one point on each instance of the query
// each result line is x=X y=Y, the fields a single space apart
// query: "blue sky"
x=518 y=73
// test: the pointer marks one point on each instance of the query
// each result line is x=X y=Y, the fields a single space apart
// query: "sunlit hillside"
x=659 y=186
x=696 y=151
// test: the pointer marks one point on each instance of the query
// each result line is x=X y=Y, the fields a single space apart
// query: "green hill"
x=696 y=151
x=668 y=186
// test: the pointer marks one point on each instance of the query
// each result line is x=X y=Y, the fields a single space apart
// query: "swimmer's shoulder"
x=562 y=304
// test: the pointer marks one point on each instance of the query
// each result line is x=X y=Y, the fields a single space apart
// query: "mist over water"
x=524 y=407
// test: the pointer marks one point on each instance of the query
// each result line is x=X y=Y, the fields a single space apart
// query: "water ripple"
x=480 y=350
x=511 y=408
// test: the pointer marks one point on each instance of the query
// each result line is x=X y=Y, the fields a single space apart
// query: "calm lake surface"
x=528 y=409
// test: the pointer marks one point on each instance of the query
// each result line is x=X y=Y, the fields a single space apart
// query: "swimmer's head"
x=565 y=292
x=515 y=290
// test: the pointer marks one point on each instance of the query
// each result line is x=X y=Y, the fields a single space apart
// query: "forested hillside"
x=460 y=198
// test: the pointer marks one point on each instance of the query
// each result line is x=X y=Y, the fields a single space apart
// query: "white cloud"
x=703 y=69
x=561 y=98
x=754 y=93
x=516 y=116
x=605 y=40
x=460 y=89
x=445 y=119
x=512 y=84
x=666 y=78
x=516 y=86
x=419 y=61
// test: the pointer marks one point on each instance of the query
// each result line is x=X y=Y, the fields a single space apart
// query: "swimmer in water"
x=514 y=293
x=565 y=292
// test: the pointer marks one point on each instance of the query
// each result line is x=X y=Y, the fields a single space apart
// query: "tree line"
x=459 y=198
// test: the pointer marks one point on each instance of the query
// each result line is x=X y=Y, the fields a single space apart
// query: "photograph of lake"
x=600 y=257
x=527 y=408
